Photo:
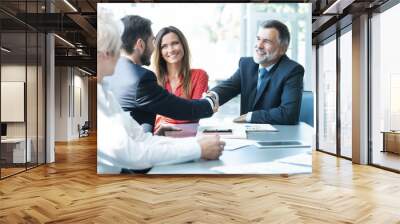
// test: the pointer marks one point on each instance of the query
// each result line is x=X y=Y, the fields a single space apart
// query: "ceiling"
x=75 y=43
x=75 y=22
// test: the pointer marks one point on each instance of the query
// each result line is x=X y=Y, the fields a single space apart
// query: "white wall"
x=61 y=103
x=71 y=102
x=81 y=83
x=33 y=125
x=17 y=73
x=14 y=73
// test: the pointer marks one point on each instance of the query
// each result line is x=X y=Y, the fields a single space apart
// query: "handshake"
x=213 y=97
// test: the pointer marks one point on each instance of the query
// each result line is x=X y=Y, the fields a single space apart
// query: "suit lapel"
x=276 y=69
x=253 y=83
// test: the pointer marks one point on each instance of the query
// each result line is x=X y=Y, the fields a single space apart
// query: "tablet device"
x=281 y=144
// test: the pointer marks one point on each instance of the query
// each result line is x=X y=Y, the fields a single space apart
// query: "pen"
x=217 y=130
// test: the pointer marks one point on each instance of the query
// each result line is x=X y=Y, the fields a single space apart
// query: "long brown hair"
x=160 y=65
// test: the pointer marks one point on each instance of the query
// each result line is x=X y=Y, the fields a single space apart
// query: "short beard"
x=145 y=57
x=267 y=58
x=145 y=60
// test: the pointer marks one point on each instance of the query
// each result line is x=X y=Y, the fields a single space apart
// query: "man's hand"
x=211 y=146
x=166 y=127
x=214 y=99
x=240 y=119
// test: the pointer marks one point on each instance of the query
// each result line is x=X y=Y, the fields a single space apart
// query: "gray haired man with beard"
x=270 y=84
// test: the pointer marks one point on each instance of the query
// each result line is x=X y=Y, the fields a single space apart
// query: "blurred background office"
x=219 y=34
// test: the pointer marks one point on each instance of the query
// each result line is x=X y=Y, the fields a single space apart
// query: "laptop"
x=281 y=144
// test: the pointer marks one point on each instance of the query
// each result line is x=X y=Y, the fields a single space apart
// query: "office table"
x=13 y=150
x=254 y=160
x=391 y=141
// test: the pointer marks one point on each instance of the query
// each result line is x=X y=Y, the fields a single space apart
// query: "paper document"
x=304 y=159
x=263 y=168
x=232 y=144
x=259 y=127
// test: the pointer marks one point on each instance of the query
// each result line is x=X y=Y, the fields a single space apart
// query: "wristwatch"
x=213 y=99
x=213 y=95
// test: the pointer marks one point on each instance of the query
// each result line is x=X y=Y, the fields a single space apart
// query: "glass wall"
x=346 y=93
x=13 y=109
x=13 y=147
x=22 y=88
x=385 y=88
x=327 y=96
x=335 y=94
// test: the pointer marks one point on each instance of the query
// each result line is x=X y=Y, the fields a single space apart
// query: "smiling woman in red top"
x=171 y=64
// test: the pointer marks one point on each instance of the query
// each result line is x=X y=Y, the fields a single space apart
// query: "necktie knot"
x=262 y=73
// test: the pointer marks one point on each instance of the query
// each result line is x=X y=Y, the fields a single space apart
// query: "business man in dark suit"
x=270 y=84
x=136 y=88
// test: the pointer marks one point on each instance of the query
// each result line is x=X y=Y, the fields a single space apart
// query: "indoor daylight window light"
x=70 y=5
x=84 y=71
x=65 y=41
x=5 y=50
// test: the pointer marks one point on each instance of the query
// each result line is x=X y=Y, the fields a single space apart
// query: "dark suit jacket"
x=280 y=99
x=137 y=91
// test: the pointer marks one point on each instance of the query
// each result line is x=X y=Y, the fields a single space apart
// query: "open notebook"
x=259 y=127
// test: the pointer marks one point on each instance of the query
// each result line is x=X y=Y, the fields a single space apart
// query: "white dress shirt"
x=122 y=142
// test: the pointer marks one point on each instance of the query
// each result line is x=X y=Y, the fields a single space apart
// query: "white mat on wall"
x=12 y=101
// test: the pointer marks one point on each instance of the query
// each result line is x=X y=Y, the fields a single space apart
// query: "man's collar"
x=128 y=57
x=267 y=68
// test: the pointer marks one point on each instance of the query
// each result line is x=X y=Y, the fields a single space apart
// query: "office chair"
x=84 y=130
x=307 y=108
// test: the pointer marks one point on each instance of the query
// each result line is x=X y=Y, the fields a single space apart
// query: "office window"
x=346 y=94
x=296 y=17
x=327 y=96
x=385 y=87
